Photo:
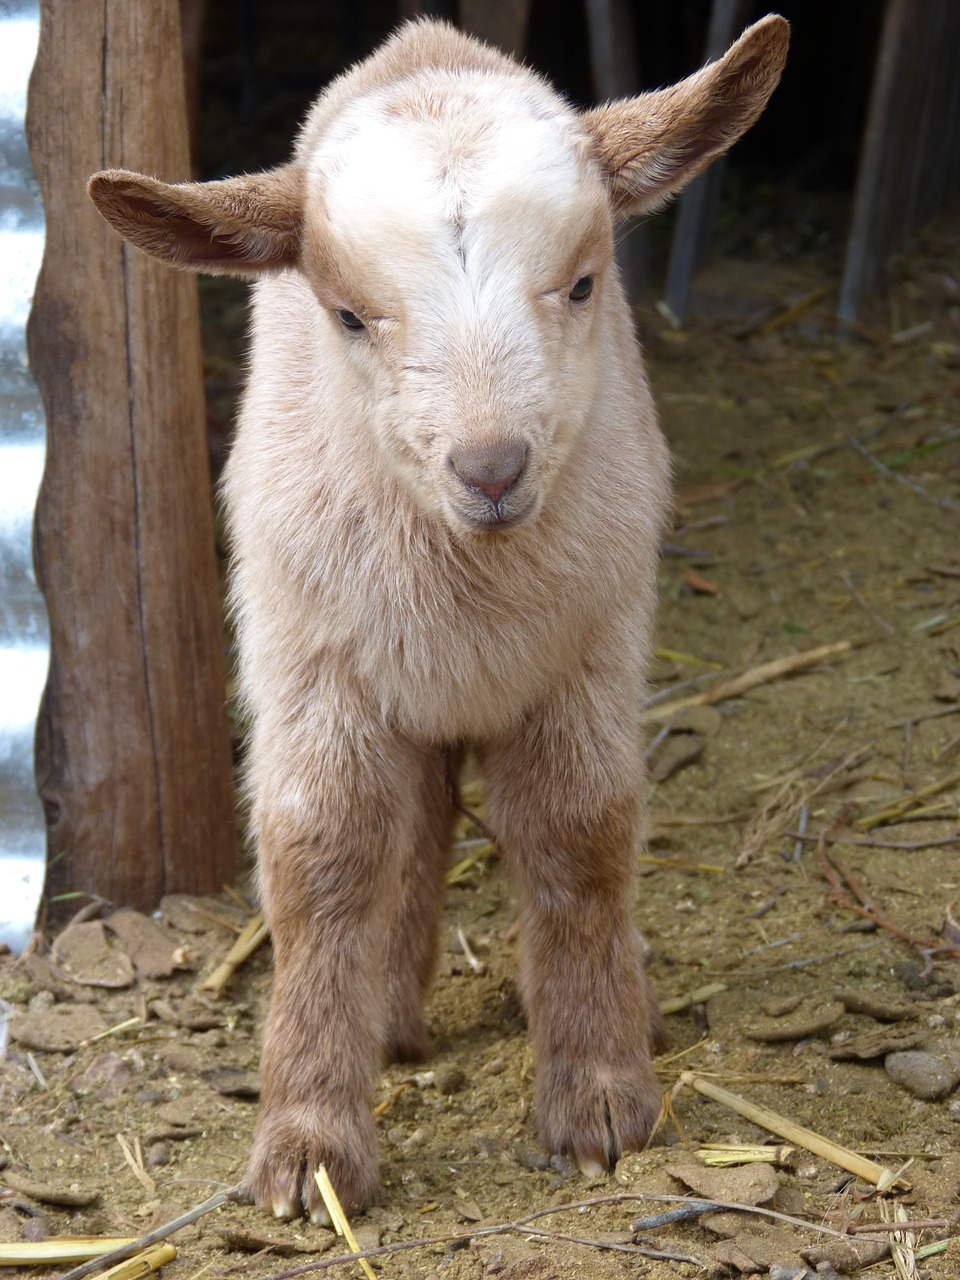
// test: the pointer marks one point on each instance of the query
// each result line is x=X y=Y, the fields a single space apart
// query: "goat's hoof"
x=407 y=1047
x=594 y=1121
x=291 y=1143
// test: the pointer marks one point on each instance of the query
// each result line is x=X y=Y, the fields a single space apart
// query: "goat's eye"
x=350 y=320
x=582 y=289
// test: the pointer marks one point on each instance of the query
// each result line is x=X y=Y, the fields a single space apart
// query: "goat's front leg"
x=565 y=801
x=414 y=927
x=334 y=813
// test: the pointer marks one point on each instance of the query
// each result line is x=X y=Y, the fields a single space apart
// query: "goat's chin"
x=473 y=523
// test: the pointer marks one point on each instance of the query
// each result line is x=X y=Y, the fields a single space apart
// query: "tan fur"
x=390 y=610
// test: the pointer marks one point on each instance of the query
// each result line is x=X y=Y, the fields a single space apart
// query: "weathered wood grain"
x=133 y=747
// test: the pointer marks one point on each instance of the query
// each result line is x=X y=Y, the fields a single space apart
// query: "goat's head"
x=456 y=227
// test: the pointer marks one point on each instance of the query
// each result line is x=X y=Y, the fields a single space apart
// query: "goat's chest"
x=456 y=648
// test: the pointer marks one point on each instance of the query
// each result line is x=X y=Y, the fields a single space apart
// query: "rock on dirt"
x=85 y=955
x=922 y=1074
x=60 y=1029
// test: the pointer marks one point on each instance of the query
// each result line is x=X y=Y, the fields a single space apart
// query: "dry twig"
x=869 y=843
x=60 y=1249
x=916 y=1224
x=909 y=805
x=700 y=996
x=134 y=1158
x=794 y=795
x=256 y=932
x=141 y=1264
x=752 y=679
x=806 y=456
x=522 y=1227
x=840 y=880
x=868 y=609
x=339 y=1219
x=947 y=503
x=722 y=1154
x=480 y=852
x=877 y=1174
x=154 y=1237
x=903 y=1241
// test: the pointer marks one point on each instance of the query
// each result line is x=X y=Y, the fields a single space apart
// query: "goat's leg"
x=565 y=800
x=334 y=815
x=412 y=936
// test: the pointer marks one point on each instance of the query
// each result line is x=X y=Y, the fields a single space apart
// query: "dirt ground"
x=800 y=892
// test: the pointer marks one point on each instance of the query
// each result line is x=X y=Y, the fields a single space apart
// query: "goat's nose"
x=490 y=470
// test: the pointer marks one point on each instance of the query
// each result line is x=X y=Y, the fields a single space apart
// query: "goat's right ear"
x=235 y=227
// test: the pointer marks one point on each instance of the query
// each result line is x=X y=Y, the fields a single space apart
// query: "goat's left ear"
x=243 y=227
x=651 y=146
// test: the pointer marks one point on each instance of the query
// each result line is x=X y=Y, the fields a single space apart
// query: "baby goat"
x=445 y=500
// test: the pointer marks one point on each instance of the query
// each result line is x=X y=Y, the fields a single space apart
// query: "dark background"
x=263 y=63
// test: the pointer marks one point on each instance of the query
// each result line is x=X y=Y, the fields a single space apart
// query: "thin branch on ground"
x=868 y=609
x=796 y=792
x=868 y=843
x=947 y=503
x=752 y=679
x=254 y=935
x=844 y=442
x=153 y=1237
x=877 y=1174
x=801 y=964
x=522 y=1227
x=840 y=880
x=927 y=715
x=908 y=806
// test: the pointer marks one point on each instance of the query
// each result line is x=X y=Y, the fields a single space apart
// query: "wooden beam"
x=909 y=158
x=698 y=204
x=134 y=764
x=615 y=74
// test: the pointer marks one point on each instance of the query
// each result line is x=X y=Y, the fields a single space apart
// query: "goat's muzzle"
x=492 y=472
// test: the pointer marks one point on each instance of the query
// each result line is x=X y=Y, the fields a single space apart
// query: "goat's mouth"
x=497 y=518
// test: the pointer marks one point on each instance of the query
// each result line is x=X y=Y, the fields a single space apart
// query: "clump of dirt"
x=799 y=892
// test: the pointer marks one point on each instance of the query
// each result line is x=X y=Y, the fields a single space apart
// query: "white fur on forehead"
x=462 y=163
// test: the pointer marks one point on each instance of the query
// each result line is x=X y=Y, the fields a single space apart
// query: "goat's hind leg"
x=413 y=932
x=565 y=801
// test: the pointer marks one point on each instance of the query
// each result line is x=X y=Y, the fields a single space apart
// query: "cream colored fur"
x=445 y=500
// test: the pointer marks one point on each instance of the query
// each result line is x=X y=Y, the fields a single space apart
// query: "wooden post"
x=133 y=754
x=698 y=204
x=886 y=120
x=615 y=74
x=909 y=157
